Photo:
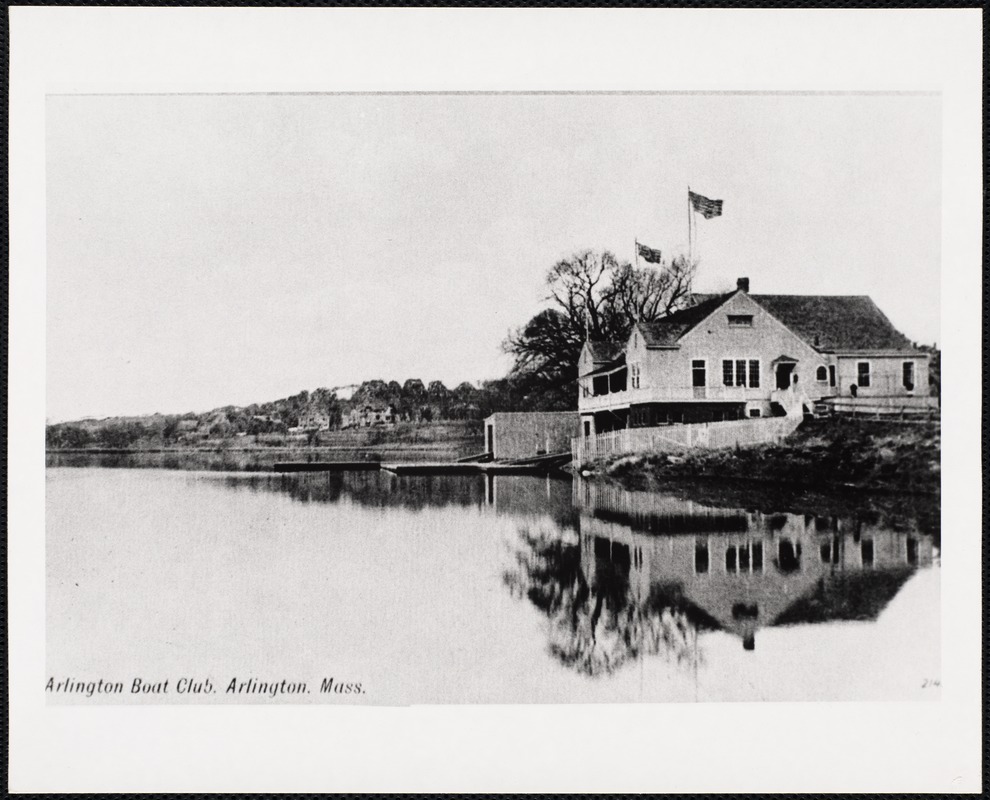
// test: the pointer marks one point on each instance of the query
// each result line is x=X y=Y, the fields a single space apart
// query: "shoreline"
x=834 y=455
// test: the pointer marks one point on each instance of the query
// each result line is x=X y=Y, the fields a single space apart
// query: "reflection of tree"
x=371 y=488
x=598 y=624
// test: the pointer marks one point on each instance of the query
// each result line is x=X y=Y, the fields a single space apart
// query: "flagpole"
x=690 y=259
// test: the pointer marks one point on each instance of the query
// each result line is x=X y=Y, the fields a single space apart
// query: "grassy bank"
x=822 y=454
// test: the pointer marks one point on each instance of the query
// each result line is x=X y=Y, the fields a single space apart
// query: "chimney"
x=743 y=284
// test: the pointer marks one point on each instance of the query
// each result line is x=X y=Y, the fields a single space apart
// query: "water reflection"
x=599 y=617
x=621 y=574
x=511 y=495
x=747 y=570
x=692 y=577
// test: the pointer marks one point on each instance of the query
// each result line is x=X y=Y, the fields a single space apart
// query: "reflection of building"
x=528 y=496
x=747 y=570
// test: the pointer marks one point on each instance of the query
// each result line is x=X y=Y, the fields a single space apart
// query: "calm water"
x=479 y=590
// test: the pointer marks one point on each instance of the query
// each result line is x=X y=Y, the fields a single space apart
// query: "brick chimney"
x=743 y=284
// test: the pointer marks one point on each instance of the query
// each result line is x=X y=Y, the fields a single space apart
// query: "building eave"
x=877 y=353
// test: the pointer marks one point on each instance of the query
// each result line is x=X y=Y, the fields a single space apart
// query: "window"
x=821 y=374
x=740 y=373
x=754 y=412
x=912 y=551
x=831 y=374
x=866 y=551
x=734 y=372
x=862 y=373
x=744 y=557
x=757 y=556
x=634 y=375
x=698 y=376
x=740 y=320
x=701 y=557
x=908 y=373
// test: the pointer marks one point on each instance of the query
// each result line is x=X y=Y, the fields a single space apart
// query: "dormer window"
x=740 y=320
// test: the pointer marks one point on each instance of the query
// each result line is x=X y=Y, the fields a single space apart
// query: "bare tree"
x=594 y=296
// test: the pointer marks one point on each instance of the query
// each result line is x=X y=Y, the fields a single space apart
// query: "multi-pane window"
x=862 y=373
x=908 y=375
x=634 y=376
x=746 y=557
x=698 y=375
x=740 y=372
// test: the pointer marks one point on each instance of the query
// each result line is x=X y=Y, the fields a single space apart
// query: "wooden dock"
x=536 y=465
x=325 y=466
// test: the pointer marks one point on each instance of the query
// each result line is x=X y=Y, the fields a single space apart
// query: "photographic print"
x=400 y=397
x=493 y=398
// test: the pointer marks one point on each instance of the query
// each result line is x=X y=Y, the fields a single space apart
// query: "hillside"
x=305 y=417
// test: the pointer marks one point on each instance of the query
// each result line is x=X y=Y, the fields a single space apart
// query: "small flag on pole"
x=649 y=254
x=707 y=208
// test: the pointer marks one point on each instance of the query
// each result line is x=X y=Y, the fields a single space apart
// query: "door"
x=784 y=371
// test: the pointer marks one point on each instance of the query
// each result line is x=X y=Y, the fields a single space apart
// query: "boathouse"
x=523 y=434
x=739 y=355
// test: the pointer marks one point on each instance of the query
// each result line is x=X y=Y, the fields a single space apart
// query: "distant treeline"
x=411 y=402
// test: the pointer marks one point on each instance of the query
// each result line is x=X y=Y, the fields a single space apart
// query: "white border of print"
x=913 y=747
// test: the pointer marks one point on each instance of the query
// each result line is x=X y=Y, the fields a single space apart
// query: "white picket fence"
x=676 y=438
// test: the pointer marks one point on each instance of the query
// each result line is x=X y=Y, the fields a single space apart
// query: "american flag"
x=649 y=254
x=707 y=208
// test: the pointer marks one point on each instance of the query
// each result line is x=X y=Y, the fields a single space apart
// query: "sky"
x=206 y=250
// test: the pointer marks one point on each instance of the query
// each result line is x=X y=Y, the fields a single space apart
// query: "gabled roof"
x=602 y=352
x=607 y=367
x=835 y=323
x=667 y=332
x=851 y=596
x=828 y=323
